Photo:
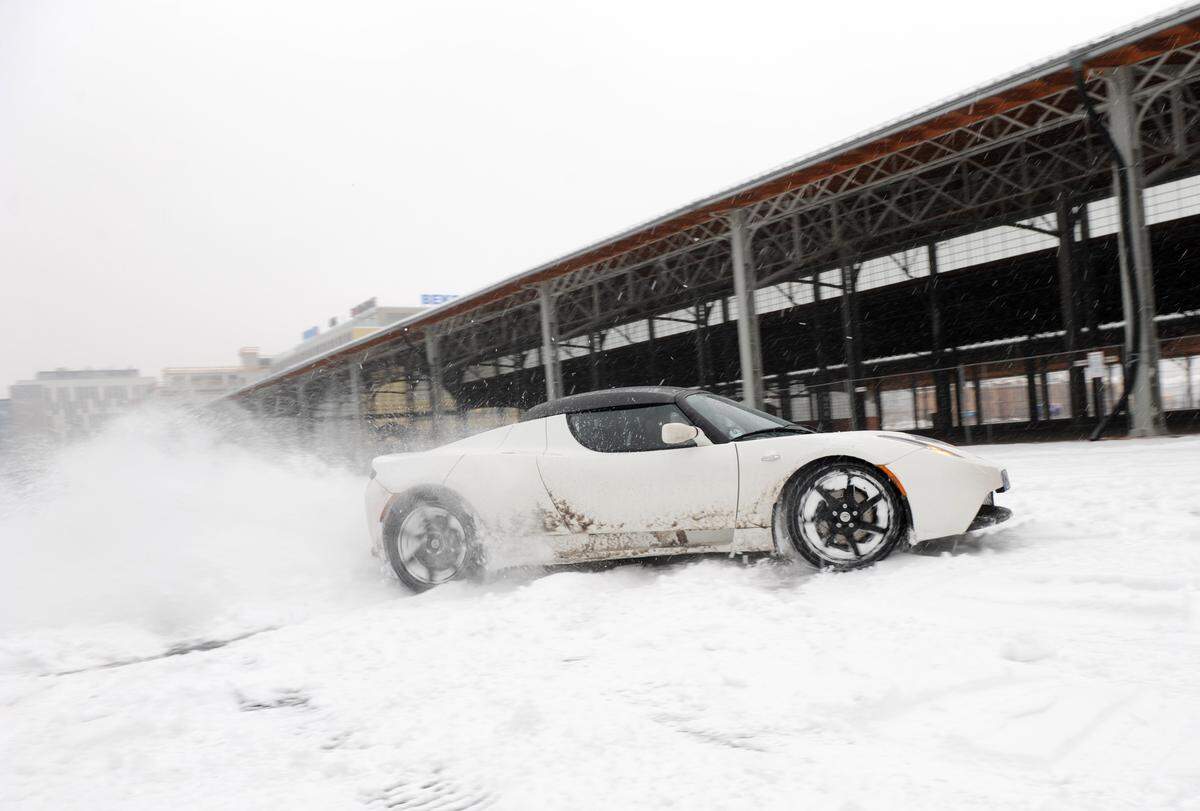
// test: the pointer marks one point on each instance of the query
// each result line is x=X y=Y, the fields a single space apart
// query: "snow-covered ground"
x=1054 y=663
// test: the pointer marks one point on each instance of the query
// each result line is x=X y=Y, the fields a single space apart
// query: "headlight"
x=922 y=442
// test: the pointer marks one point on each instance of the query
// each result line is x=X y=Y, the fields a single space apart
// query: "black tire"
x=447 y=547
x=823 y=525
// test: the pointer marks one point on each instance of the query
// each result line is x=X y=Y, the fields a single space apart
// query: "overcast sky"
x=179 y=179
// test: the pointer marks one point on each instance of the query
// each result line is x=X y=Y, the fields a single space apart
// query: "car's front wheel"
x=842 y=514
x=429 y=540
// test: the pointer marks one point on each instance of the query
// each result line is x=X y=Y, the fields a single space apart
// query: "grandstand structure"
x=958 y=272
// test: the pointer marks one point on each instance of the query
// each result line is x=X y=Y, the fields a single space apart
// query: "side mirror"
x=677 y=433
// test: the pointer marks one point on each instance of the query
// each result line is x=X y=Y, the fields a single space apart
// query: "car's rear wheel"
x=430 y=540
x=842 y=515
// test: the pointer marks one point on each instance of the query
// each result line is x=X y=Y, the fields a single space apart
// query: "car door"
x=614 y=481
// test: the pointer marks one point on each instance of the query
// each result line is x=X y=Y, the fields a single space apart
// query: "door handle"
x=771 y=457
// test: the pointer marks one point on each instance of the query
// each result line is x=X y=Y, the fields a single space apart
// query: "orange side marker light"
x=895 y=480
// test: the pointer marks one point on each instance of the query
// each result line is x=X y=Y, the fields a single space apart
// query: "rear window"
x=624 y=430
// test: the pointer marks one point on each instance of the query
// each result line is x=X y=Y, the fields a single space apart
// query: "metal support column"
x=303 y=409
x=550 y=362
x=960 y=391
x=1068 y=299
x=1145 y=401
x=410 y=394
x=822 y=413
x=305 y=424
x=433 y=361
x=723 y=351
x=594 y=360
x=851 y=351
x=941 y=380
x=850 y=326
x=700 y=334
x=1044 y=381
x=1031 y=389
x=1089 y=311
x=978 y=395
x=1191 y=385
x=358 y=426
x=1099 y=406
x=651 y=354
x=744 y=285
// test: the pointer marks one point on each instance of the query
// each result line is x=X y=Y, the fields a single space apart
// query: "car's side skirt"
x=653 y=552
x=752 y=539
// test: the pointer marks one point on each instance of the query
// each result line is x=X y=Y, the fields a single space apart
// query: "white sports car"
x=639 y=472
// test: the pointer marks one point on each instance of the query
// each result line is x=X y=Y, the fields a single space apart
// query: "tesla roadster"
x=639 y=472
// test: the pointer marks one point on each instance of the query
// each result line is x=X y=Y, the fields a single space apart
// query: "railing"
x=984 y=401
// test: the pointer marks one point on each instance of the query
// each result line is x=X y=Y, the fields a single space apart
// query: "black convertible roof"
x=605 y=398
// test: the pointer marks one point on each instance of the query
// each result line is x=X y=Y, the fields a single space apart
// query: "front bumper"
x=944 y=492
x=989 y=515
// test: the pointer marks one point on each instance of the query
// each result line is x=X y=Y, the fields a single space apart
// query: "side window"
x=622 y=430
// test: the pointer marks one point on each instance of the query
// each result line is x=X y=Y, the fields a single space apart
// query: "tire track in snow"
x=181 y=649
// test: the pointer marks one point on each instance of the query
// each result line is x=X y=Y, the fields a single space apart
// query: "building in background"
x=365 y=319
x=67 y=404
x=197 y=385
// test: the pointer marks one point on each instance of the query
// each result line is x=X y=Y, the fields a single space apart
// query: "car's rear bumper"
x=376 y=500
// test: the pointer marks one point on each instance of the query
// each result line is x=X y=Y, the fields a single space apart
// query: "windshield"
x=730 y=418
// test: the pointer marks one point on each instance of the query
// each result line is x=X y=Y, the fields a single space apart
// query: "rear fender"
x=400 y=473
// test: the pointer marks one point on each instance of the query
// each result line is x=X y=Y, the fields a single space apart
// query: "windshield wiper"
x=774 y=429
